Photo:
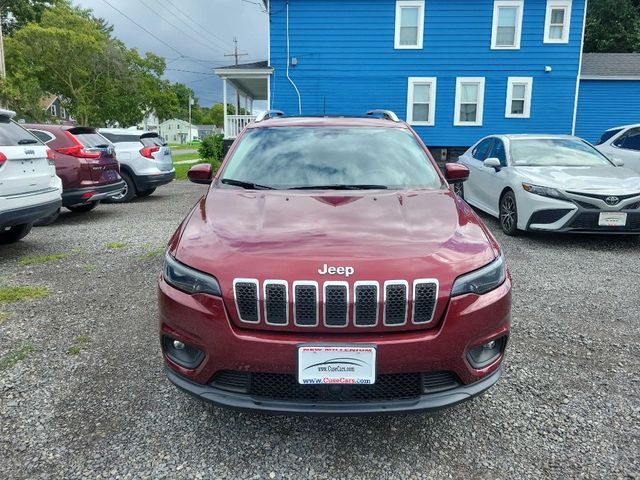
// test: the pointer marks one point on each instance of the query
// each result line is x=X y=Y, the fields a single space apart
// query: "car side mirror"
x=618 y=162
x=492 y=163
x=456 y=173
x=201 y=173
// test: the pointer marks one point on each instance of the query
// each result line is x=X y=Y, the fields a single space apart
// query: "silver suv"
x=29 y=187
x=145 y=161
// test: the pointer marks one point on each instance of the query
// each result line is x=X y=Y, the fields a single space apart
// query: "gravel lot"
x=90 y=400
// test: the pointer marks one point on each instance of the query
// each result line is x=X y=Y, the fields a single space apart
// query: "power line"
x=175 y=9
x=188 y=71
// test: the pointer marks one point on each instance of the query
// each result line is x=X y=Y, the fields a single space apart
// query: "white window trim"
x=409 y=3
x=528 y=82
x=53 y=110
x=432 y=100
x=555 y=5
x=480 y=110
x=497 y=4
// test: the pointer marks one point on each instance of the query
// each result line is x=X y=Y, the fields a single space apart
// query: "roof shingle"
x=613 y=65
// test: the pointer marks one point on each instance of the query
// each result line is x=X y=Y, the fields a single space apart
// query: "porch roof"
x=248 y=78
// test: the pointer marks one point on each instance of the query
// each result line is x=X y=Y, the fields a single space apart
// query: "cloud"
x=193 y=35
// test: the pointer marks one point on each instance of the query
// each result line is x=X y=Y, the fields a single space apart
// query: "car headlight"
x=482 y=280
x=543 y=191
x=187 y=279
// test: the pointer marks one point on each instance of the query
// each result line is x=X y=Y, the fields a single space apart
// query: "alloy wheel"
x=508 y=213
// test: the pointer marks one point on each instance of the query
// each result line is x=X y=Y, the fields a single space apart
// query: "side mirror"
x=492 y=163
x=618 y=162
x=201 y=173
x=456 y=173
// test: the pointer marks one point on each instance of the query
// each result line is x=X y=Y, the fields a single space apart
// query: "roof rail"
x=7 y=113
x=386 y=114
x=269 y=114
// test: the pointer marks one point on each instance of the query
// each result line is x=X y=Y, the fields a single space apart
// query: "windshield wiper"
x=247 y=185
x=340 y=187
x=27 y=141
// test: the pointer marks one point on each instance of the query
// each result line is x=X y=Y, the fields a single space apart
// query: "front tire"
x=509 y=214
x=15 y=233
x=87 y=207
x=128 y=191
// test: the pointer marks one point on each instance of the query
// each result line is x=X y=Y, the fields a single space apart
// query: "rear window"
x=121 y=137
x=89 y=137
x=307 y=157
x=12 y=134
x=607 y=135
x=152 y=140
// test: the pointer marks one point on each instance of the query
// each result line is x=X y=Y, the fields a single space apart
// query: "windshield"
x=555 y=152
x=307 y=157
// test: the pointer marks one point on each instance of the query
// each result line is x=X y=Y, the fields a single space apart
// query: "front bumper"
x=201 y=321
x=426 y=402
x=147 y=182
x=78 y=196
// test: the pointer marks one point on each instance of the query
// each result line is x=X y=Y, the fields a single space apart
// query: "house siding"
x=347 y=63
x=605 y=104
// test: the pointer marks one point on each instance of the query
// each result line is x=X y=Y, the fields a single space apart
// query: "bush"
x=212 y=148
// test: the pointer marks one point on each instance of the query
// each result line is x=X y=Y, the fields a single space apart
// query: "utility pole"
x=3 y=72
x=237 y=56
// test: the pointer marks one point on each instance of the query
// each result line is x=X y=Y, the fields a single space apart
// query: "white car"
x=145 y=161
x=622 y=143
x=29 y=186
x=551 y=183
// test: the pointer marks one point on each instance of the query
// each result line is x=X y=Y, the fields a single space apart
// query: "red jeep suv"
x=330 y=268
x=85 y=161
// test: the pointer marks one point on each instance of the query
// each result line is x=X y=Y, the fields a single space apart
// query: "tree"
x=613 y=26
x=15 y=14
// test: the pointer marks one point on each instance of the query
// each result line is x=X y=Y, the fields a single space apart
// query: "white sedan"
x=622 y=143
x=551 y=183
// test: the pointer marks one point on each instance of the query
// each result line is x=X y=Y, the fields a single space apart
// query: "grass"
x=5 y=316
x=89 y=268
x=38 y=259
x=15 y=356
x=16 y=294
x=115 y=245
x=152 y=253
x=80 y=342
x=186 y=156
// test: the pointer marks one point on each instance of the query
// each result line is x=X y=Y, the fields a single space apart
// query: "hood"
x=601 y=179
x=233 y=233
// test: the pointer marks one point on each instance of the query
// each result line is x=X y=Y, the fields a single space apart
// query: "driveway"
x=82 y=393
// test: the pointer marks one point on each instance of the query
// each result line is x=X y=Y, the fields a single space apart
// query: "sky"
x=197 y=34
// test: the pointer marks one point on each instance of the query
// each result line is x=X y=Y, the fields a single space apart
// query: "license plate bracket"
x=612 y=219
x=336 y=364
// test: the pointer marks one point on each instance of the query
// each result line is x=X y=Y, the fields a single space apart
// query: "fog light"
x=181 y=353
x=486 y=354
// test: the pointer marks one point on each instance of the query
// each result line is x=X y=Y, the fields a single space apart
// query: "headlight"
x=481 y=281
x=187 y=279
x=543 y=191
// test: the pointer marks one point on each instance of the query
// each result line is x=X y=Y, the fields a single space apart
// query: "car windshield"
x=555 y=152
x=330 y=157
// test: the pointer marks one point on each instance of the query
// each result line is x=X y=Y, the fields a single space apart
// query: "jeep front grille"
x=336 y=304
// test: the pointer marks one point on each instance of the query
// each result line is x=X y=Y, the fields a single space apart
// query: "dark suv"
x=85 y=161
x=330 y=268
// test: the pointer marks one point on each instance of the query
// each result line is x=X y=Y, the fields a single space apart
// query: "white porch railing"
x=235 y=123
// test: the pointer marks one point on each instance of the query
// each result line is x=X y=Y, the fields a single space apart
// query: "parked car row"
x=46 y=167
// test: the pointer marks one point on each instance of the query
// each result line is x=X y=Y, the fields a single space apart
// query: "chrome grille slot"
x=425 y=296
x=395 y=302
x=276 y=302
x=246 y=297
x=365 y=304
x=336 y=304
x=305 y=304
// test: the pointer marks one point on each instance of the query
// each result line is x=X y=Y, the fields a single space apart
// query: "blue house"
x=456 y=70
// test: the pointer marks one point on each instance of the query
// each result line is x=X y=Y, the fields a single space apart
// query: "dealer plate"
x=321 y=364
x=612 y=219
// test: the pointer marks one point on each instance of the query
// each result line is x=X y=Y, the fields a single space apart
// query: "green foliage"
x=613 y=26
x=16 y=294
x=212 y=147
x=17 y=13
x=14 y=356
x=115 y=245
x=37 y=259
